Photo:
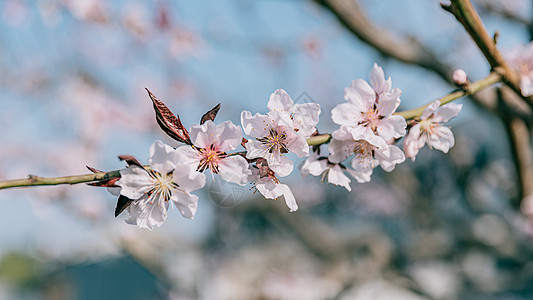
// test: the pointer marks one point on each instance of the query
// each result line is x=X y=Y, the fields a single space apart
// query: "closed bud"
x=459 y=78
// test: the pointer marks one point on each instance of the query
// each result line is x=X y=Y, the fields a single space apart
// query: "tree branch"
x=474 y=87
x=34 y=180
x=465 y=13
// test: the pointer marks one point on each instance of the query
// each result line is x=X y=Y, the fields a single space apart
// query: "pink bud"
x=459 y=77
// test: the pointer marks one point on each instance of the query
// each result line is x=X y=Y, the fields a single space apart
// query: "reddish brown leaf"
x=243 y=142
x=130 y=160
x=170 y=123
x=94 y=170
x=122 y=204
x=210 y=115
x=104 y=183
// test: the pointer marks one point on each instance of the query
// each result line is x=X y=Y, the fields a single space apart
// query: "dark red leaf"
x=243 y=142
x=170 y=123
x=103 y=183
x=130 y=160
x=210 y=115
x=122 y=204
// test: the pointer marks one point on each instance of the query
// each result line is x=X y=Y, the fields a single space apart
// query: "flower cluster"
x=368 y=129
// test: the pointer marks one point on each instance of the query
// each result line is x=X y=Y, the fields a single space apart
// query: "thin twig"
x=473 y=87
x=34 y=180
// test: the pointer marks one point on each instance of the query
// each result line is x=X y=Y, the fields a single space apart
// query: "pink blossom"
x=429 y=130
x=152 y=190
x=272 y=139
x=332 y=172
x=520 y=59
x=369 y=110
x=211 y=144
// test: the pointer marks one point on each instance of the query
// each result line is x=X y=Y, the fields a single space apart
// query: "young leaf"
x=130 y=160
x=210 y=115
x=122 y=204
x=170 y=123
x=104 y=183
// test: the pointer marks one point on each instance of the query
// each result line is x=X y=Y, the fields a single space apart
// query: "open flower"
x=302 y=117
x=520 y=59
x=366 y=154
x=210 y=146
x=272 y=138
x=429 y=130
x=269 y=186
x=332 y=172
x=152 y=189
x=369 y=110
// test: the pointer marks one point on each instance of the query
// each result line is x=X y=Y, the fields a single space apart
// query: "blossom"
x=366 y=154
x=520 y=59
x=152 y=189
x=332 y=172
x=429 y=130
x=273 y=137
x=370 y=107
x=270 y=186
x=302 y=117
x=210 y=146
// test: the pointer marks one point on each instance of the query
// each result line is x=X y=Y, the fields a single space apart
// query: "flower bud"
x=459 y=78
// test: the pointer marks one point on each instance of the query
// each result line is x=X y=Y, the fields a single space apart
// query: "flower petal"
x=430 y=109
x=271 y=190
x=377 y=80
x=186 y=155
x=336 y=176
x=389 y=102
x=414 y=141
x=388 y=162
x=360 y=94
x=447 y=112
x=313 y=166
x=255 y=149
x=234 y=169
x=340 y=150
x=162 y=157
x=346 y=114
x=229 y=136
x=280 y=101
x=306 y=117
x=186 y=203
x=297 y=144
x=134 y=182
x=256 y=126
x=204 y=135
x=392 y=127
x=187 y=178
x=279 y=163
x=148 y=212
x=442 y=140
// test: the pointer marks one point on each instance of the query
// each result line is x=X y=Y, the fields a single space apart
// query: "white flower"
x=429 y=130
x=151 y=190
x=211 y=144
x=367 y=154
x=369 y=110
x=271 y=188
x=272 y=139
x=333 y=172
x=520 y=59
x=302 y=117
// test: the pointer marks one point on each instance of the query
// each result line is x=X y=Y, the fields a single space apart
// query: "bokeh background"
x=72 y=79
